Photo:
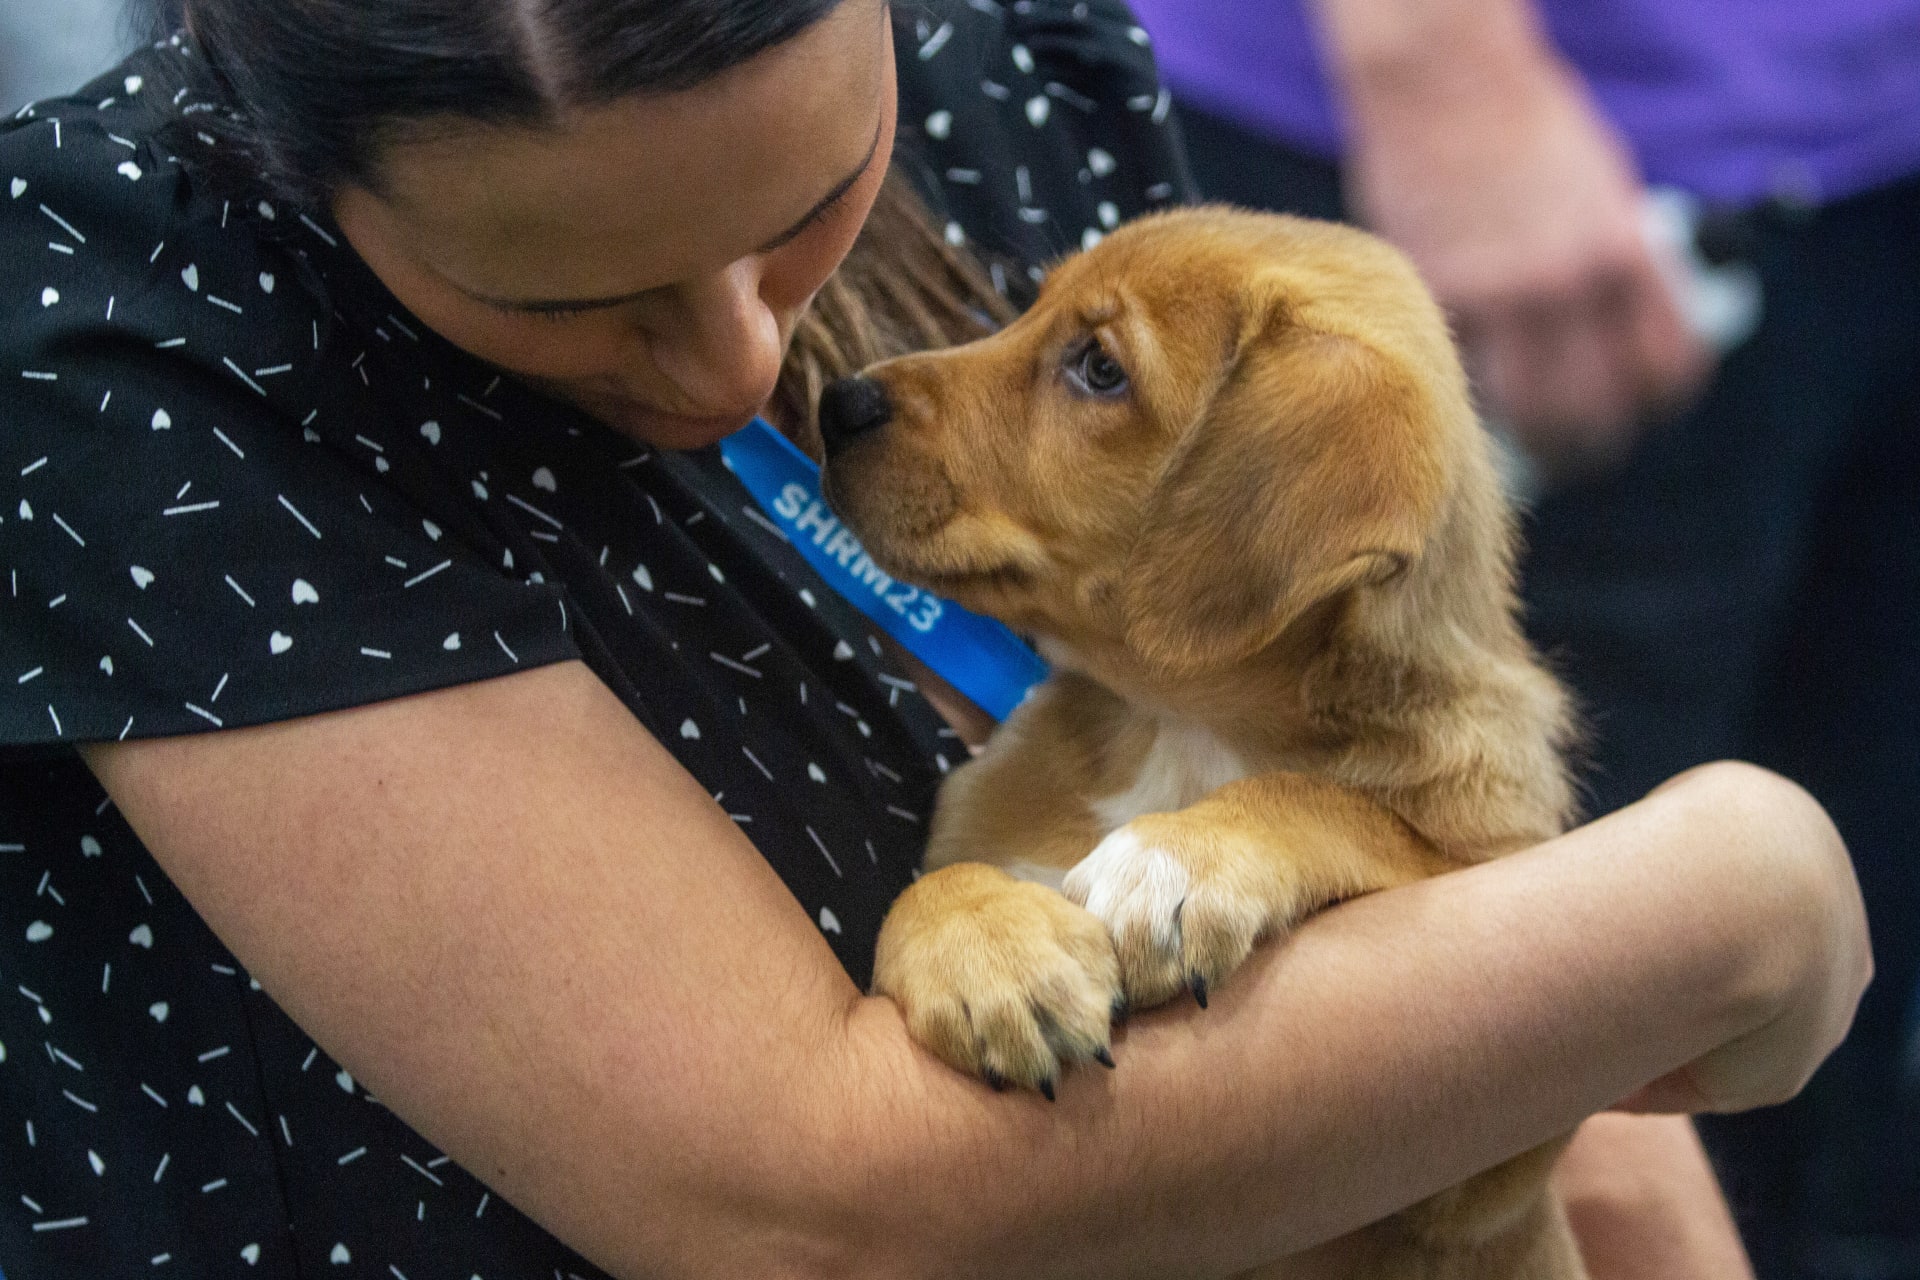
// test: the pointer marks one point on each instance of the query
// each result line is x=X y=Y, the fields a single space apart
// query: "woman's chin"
x=667 y=430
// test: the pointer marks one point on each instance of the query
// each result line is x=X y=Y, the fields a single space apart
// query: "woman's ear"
x=1316 y=469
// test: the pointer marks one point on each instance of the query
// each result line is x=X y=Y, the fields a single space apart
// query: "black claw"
x=1104 y=1058
x=1199 y=985
x=995 y=1081
x=1046 y=1089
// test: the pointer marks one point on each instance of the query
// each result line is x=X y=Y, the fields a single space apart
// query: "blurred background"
x=51 y=46
x=1680 y=244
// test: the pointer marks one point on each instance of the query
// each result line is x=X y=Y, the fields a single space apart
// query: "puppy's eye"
x=1096 y=373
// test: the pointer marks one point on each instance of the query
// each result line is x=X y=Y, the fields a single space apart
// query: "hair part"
x=311 y=92
x=315 y=91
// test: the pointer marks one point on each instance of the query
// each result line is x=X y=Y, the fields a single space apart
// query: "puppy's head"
x=1204 y=428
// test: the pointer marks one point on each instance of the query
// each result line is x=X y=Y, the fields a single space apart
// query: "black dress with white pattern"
x=244 y=485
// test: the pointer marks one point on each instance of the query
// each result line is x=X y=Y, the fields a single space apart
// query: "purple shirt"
x=1734 y=100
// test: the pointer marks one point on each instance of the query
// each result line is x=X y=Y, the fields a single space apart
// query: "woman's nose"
x=721 y=345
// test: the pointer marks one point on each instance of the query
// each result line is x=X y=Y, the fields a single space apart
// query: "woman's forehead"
x=651 y=189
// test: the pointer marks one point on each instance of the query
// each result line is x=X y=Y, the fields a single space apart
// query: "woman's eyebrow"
x=812 y=215
x=832 y=197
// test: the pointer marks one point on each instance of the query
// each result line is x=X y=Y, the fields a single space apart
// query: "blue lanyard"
x=976 y=655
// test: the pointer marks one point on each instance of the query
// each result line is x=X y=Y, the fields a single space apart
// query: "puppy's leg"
x=999 y=977
x=1187 y=894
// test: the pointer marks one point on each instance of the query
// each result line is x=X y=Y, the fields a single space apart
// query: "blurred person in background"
x=48 y=46
x=1724 y=560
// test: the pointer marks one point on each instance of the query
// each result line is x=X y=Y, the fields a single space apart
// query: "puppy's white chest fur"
x=1185 y=762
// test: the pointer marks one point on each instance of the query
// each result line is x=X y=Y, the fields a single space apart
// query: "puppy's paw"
x=1185 y=902
x=1002 y=979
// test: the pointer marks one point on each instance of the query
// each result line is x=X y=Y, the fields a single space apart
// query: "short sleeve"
x=1037 y=126
x=191 y=535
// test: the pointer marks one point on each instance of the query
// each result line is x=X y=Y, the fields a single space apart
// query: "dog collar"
x=976 y=655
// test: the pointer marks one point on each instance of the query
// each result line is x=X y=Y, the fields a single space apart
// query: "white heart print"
x=303 y=592
x=142 y=577
x=162 y=420
x=49 y=296
x=190 y=276
x=266 y=282
x=279 y=642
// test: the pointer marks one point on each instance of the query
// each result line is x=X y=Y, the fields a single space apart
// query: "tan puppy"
x=1225 y=471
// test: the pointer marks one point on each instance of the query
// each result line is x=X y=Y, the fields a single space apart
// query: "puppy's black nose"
x=850 y=408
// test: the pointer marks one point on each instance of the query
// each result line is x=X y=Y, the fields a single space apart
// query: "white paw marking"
x=1127 y=883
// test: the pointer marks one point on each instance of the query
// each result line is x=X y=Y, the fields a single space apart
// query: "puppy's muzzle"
x=849 y=408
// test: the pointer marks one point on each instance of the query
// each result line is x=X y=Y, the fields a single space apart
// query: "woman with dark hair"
x=387 y=628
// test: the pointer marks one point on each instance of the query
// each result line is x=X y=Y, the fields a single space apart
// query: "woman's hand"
x=1479 y=153
x=540 y=942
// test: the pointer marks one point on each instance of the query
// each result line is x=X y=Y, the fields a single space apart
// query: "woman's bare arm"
x=1645 y=1205
x=508 y=910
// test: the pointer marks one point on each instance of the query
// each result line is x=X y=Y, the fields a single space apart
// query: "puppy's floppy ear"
x=1316 y=468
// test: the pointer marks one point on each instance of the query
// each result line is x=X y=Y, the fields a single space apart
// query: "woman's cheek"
x=540 y=348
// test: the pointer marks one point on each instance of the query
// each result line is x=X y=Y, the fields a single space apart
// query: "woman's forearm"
x=542 y=944
x=1391 y=1048
x=1644 y=1202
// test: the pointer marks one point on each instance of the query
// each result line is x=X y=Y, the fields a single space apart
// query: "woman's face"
x=648 y=260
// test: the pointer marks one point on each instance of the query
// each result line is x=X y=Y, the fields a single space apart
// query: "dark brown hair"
x=313 y=92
